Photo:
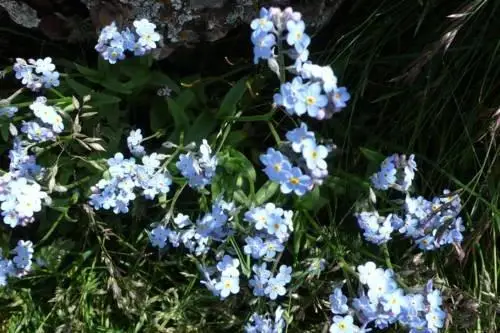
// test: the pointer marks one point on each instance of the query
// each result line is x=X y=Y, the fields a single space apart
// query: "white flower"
x=44 y=65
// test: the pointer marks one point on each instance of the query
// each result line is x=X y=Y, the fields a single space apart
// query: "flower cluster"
x=377 y=229
x=35 y=74
x=134 y=143
x=307 y=155
x=383 y=303
x=196 y=237
x=20 y=265
x=433 y=223
x=21 y=198
x=198 y=168
x=273 y=226
x=112 y=43
x=264 y=284
x=229 y=277
x=124 y=175
x=314 y=91
x=260 y=324
x=20 y=194
x=396 y=172
x=430 y=223
x=49 y=122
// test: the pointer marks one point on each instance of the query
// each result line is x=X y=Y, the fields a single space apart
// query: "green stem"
x=170 y=212
x=52 y=228
x=274 y=133
x=387 y=257
x=78 y=183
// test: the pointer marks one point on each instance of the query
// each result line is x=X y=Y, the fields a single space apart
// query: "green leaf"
x=202 y=127
x=230 y=101
x=312 y=201
x=103 y=66
x=79 y=88
x=100 y=99
x=186 y=98
x=266 y=192
x=236 y=162
x=372 y=155
x=158 y=114
x=241 y=198
x=159 y=79
x=4 y=131
x=116 y=86
x=181 y=120
x=89 y=73
x=137 y=82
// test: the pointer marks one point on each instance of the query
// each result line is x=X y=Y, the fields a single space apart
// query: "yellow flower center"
x=294 y=180
x=277 y=167
x=311 y=100
x=314 y=154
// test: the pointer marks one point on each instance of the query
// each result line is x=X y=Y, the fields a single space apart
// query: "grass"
x=424 y=80
x=424 y=77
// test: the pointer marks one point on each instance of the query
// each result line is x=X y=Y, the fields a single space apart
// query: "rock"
x=181 y=22
x=20 y=13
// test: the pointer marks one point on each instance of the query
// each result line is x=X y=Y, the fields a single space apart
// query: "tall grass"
x=425 y=79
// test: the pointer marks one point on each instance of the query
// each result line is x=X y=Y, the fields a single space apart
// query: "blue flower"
x=271 y=247
x=311 y=100
x=299 y=136
x=296 y=35
x=254 y=247
x=338 y=302
x=113 y=43
x=199 y=168
x=435 y=319
x=36 y=73
x=263 y=23
x=228 y=285
x=394 y=301
x=50 y=79
x=134 y=143
x=265 y=324
x=113 y=54
x=275 y=287
x=286 y=98
x=259 y=279
x=343 y=325
x=263 y=46
x=314 y=155
x=158 y=236
x=277 y=165
x=284 y=274
x=295 y=181
x=37 y=133
x=340 y=97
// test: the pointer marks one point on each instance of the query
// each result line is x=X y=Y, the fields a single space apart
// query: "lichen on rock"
x=21 y=13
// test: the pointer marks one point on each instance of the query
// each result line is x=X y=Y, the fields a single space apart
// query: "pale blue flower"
x=295 y=181
x=338 y=302
x=314 y=155
x=311 y=100
x=299 y=136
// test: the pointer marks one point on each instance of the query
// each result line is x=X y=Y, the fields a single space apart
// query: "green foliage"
x=421 y=83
